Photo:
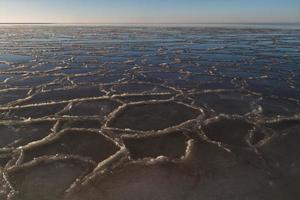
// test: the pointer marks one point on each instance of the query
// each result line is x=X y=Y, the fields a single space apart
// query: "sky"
x=149 y=11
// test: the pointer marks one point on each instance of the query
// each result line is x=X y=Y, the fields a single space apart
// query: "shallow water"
x=91 y=112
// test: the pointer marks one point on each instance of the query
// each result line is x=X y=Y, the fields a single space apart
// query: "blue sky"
x=150 y=11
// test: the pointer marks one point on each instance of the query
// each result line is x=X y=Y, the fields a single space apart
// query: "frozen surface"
x=95 y=112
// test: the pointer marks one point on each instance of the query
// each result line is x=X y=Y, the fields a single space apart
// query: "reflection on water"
x=108 y=112
x=11 y=58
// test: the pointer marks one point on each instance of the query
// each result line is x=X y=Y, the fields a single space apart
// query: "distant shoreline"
x=292 y=26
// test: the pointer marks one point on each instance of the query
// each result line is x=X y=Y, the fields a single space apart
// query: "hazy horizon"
x=151 y=11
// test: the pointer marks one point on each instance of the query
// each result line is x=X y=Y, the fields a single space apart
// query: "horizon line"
x=150 y=23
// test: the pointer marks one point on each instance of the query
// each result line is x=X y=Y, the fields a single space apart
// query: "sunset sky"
x=149 y=11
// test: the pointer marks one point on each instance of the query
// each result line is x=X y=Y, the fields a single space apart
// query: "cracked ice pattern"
x=149 y=113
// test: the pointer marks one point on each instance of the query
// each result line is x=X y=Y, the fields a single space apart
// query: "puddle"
x=32 y=112
x=11 y=58
x=172 y=145
x=64 y=95
x=69 y=142
x=153 y=116
x=233 y=132
x=226 y=103
x=14 y=135
x=7 y=96
x=97 y=108
x=52 y=178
